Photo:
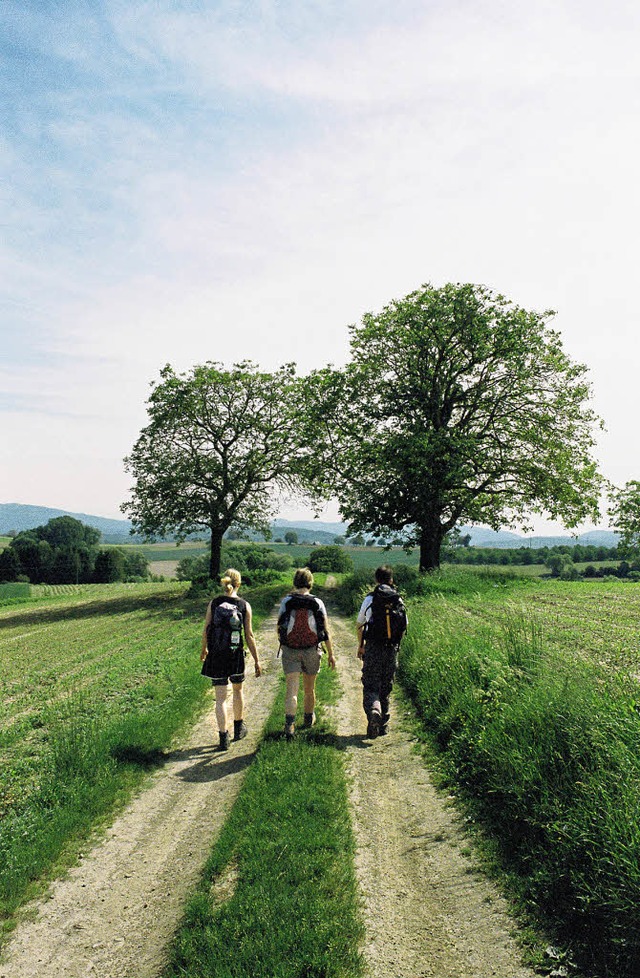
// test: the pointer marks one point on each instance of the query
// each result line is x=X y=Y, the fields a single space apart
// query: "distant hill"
x=15 y=516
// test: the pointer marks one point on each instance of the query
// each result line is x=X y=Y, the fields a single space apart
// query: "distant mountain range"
x=15 y=516
x=18 y=517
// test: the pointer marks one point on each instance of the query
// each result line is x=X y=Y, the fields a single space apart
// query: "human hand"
x=258 y=668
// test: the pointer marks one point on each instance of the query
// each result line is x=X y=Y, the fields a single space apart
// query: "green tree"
x=330 y=558
x=291 y=537
x=110 y=566
x=473 y=413
x=624 y=512
x=218 y=444
x=10 y=567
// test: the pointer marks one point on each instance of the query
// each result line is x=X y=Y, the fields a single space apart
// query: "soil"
x=428 y=909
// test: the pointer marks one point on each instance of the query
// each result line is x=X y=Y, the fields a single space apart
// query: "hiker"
x=228 y=618
x=302 y=629
x=382 y=621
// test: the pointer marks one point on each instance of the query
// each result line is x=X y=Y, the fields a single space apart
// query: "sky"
x=184 y=181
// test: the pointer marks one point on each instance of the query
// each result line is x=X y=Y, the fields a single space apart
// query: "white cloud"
x=269 y=179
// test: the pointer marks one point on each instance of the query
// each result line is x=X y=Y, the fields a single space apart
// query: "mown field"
x=528 y=690
x=530 y=696
x=95 y=680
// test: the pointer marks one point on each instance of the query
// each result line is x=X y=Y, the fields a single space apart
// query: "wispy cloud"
x=191 y=182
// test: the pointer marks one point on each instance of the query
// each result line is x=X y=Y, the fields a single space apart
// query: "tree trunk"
x=217 y=533
x=431 y=538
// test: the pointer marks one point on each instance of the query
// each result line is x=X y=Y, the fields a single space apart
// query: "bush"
x=330 y=559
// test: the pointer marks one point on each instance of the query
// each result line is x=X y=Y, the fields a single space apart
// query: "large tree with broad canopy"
x=219 y=443
x=457 y=405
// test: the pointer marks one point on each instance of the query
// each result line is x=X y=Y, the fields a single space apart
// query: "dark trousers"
x=378 y=669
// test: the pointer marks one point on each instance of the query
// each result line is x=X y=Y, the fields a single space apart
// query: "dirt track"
x=428 y=911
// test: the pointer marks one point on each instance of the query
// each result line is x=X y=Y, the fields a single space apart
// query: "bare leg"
x=309 y=693
x=238 y=700
x=293 y=685
x=221 y=707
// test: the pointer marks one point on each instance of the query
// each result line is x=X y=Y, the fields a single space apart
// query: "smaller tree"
x=218 y=444
x=330 y=559
x=10 y=567
x=291 y=537
x=110 y=566
x=624 y=512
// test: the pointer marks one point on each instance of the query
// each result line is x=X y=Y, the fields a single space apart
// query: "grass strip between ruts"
x=278 y=898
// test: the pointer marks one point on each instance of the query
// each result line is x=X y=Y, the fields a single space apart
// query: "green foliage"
x=624 y=512
x=291 y=536
x=332 y=558
x=457 y=405
x=544 y=745
x=62 y=551
x=257 y=564
x=217 y=443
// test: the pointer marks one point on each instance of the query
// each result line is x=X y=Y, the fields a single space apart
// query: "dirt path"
x=429 y=911
x=114 y=914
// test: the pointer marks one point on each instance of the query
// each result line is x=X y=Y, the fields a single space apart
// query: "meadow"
x=526 y=690
x=530 y=698
x=96 y=681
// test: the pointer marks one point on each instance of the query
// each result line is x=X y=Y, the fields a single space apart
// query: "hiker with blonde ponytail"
x=227 y=626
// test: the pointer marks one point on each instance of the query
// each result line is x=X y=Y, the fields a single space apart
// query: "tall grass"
x=278 y=897
x=95 y=691
x=546 y=750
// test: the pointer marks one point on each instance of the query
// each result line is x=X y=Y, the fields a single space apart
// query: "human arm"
x=360 y=628
x=360 y=624
x=207 y=622
x=331 y=659
x=251 y=641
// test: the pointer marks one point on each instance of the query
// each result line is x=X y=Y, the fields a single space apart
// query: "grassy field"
x=531 y=697
x=96 y=680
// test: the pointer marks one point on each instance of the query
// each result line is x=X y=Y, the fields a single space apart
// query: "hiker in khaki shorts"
x=302 y=630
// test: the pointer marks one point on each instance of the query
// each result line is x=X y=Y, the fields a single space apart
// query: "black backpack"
x=224 y=633
x=294 y=629
x=388 y=621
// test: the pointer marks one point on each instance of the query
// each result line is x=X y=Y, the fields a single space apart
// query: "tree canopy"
x=456 y=405
x=65 y=551
x=624 y=512
x=219 y=443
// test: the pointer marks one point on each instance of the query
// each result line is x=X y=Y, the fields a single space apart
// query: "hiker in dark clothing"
x=228 y=618
x=382 y=622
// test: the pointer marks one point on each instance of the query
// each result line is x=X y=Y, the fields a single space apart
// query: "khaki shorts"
x=301 y=660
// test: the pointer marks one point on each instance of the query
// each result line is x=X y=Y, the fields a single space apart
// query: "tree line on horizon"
x=456 y=407
x=66 y=551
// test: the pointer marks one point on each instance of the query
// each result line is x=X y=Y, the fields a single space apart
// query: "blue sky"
x=185 y=181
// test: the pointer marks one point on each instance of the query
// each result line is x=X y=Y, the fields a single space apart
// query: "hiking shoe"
x=374 y=724
x=239 y=729
x=224 y=741
x=384 y=729
x=309 y=719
